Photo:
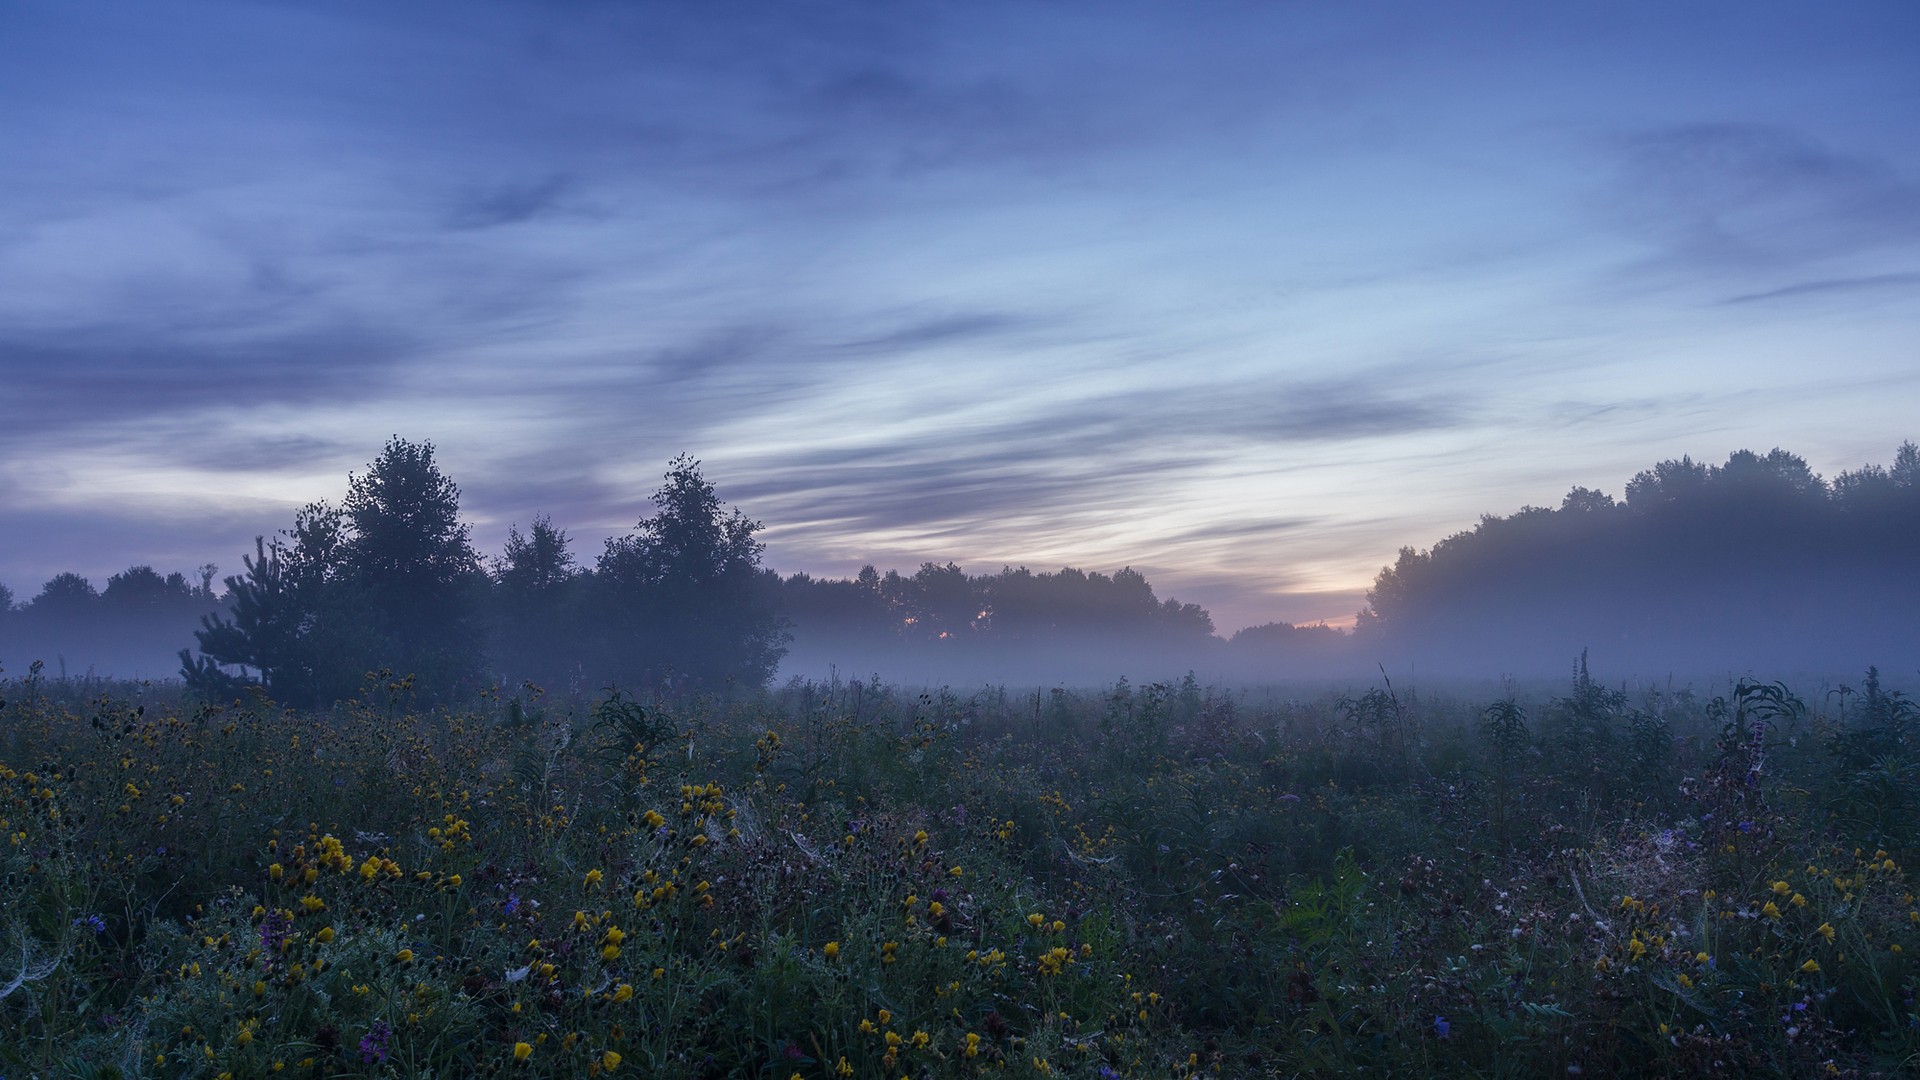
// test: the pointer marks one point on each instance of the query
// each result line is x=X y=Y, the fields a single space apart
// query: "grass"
x=849 y=879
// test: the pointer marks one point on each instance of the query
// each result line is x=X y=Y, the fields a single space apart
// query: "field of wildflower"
x=850 y=879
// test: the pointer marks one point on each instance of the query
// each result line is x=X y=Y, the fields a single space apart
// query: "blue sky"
x=1243 y=295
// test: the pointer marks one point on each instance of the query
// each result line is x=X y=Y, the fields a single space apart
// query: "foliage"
x=848 y=879
x=684 y=597
x=1758 y=560
x=386 y=580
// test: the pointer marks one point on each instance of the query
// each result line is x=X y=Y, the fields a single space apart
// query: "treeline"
x=1699 y=569
x=1755 y=563
x=944 y=624
x=131 y=627
x=388 y=581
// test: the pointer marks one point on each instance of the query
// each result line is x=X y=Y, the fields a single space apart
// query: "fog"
x=1701 y=572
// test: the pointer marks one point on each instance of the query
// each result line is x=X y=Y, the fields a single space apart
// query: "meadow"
x=854 y=879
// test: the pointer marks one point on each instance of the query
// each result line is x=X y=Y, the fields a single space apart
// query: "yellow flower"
x=405 y=956
x=1781 y=888
x=1035 y=920
x=325 y=935
x=521 y=1051
x=244 y=1037
x=832 y=950
x=593 y=878
x=615 y=935
x=623 y=992
x=1826 y=931
x=973 y=1045
x=610 y=1060
x=1810 y=967
x=1771 y=911
x=610 y=953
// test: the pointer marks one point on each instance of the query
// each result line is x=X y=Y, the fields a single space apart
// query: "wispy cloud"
x=1742 y=197
x=1868 y=283
x=510 y=204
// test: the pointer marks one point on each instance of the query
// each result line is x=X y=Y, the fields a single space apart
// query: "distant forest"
x=1700 y=569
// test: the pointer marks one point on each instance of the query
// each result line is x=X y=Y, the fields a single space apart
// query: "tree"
x=296 y=623
x=388 y=579
x=535 y=627
x=536 y=566
x=685 y=595
x=64 y=596
x=407 y=550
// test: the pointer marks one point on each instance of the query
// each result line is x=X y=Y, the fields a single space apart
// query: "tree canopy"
x=386 y=580
x=1754 y=560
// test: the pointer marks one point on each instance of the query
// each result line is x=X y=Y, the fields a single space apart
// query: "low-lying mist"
x=1699 y=573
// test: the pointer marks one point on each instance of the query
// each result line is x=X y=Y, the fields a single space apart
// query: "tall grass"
x=852 y=879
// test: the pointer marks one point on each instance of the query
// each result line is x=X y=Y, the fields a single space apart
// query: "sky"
x=1243 y=295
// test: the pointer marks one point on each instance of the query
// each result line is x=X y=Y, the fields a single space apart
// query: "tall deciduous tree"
x=412 y=557
x=685 y=593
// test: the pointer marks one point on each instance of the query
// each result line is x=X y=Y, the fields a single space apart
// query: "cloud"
x=1870 y=282
x=1731 y=197
x=1345 y=409
x=961 y=326
x=96 y=382
x=1051 y=469
x=510 y=204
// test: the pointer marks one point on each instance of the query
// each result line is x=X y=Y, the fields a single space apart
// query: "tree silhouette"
x=536 y=626
x=684 y=595
x=388 y=579
x=408 y=551
x=1757 y=560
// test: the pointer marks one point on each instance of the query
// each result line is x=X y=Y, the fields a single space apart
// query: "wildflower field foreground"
x=848 y=879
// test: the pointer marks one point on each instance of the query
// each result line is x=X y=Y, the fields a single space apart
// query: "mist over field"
x=1700 y=572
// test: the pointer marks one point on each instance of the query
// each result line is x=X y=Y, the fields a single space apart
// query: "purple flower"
x=92 y=922
x=373 y=1045
x=273 y=931
x=513 y=903
x=1441 y=1028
